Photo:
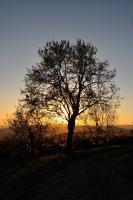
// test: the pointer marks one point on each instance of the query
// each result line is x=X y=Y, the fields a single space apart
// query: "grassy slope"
x=22 y=179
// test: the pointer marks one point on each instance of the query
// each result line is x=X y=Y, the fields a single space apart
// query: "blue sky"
x=26 y=25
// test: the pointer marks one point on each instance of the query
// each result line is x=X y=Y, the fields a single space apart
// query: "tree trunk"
x=97 y=134
x=108 y=134
x=31 y=141
x=71 y=126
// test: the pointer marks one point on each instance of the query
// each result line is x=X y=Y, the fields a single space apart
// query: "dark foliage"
x=68 y=81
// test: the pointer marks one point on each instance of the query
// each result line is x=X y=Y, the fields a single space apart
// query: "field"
x=98 y=173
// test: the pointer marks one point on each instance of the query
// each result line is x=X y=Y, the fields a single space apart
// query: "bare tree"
x=97 y=115
x=68 y=80
x=27 y=125
x=110 y=118
x=105 y=114
x=19 y=124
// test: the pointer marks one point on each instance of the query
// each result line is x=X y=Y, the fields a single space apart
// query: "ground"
x=102 y=175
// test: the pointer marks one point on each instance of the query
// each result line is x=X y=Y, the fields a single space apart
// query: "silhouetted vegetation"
x=23 y=173
x=16 y=145
x=68 y=81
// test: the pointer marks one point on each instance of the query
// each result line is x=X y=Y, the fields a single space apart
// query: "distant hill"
x=126 y=126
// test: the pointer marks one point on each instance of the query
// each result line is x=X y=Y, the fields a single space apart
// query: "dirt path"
x=107 y=176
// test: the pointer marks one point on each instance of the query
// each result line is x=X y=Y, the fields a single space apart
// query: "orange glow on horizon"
x=122 y=120
x=124 y=112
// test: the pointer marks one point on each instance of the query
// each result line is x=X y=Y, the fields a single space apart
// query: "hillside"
x=96 y=174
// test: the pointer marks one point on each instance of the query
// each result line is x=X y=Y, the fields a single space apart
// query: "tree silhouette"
x=68 y=80
x=104 y=115
x=28 y=126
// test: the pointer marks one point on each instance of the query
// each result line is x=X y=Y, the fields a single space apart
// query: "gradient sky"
x=26 y=25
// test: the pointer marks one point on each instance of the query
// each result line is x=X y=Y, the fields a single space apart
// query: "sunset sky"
x=26 y=25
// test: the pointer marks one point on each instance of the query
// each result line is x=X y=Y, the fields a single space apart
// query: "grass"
x=25 y=177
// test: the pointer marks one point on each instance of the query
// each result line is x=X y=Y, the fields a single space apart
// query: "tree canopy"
x=68 y=80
